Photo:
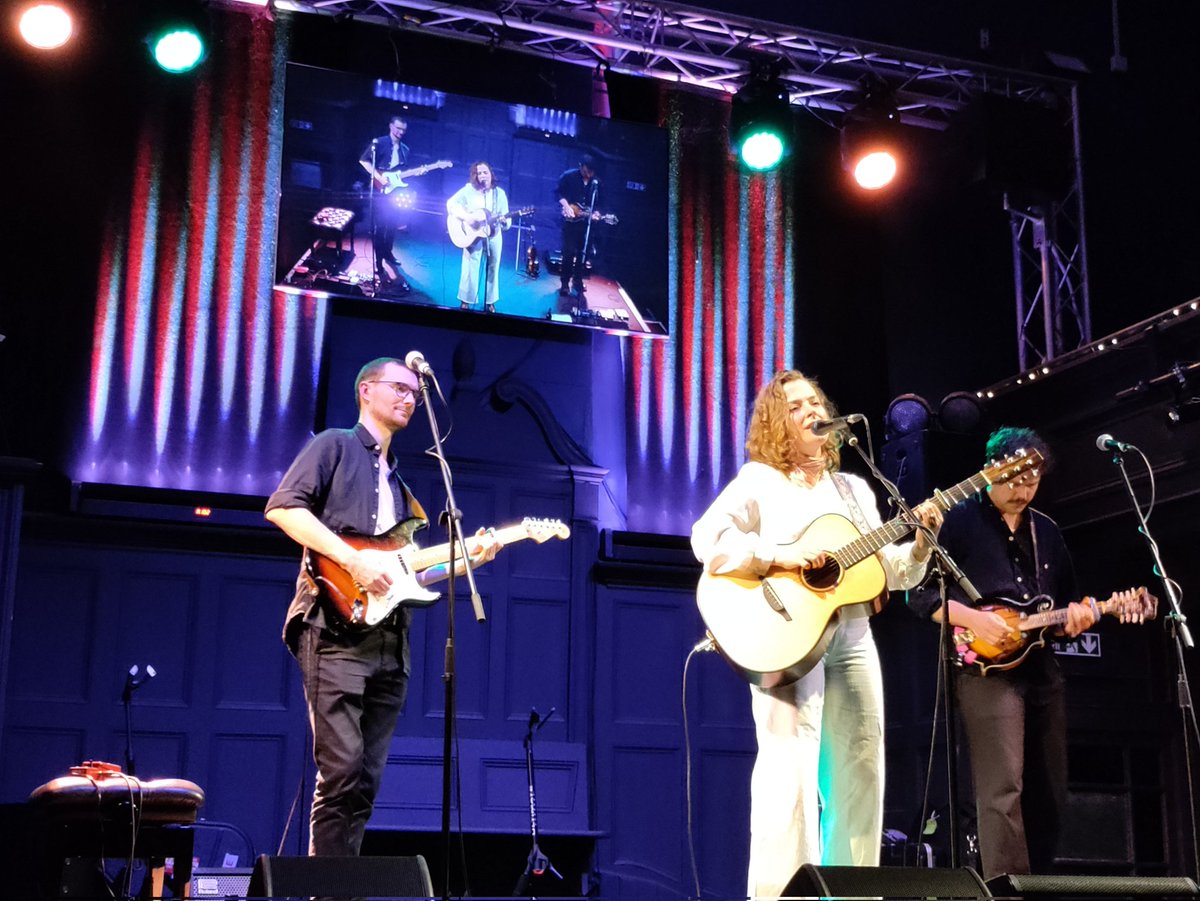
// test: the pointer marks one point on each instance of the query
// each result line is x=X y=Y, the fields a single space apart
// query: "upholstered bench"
x=97 y=812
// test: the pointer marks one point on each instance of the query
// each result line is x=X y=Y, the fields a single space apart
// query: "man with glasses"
x=346 y=481
x=1015 y=719
x=576 y=193
x=386 y=153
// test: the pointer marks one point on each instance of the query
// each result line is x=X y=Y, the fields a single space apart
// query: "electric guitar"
x=774 y=628
x=393 y=179
x=356 y=608
x=464 y=233
x=582 y=212
x=1028 y=630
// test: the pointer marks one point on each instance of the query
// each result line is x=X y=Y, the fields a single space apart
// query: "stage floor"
x=432 y=266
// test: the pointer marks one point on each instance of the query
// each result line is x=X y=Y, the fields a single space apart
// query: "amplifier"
x=220 y=882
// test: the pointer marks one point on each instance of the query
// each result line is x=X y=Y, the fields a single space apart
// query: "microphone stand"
x=485 y=260
x=374 y=187
x=133 y=681
x=127 y=701
x=945 y=566
x=1179 y=629
x=453 y=520
x=1176 y=617
x=581 y=264
x=538 y=863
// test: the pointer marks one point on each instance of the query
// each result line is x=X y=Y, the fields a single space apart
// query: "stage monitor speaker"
x=340 y=877
x=885 y=882
x=1078 y=887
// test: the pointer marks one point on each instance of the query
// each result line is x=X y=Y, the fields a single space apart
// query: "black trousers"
x=1016 y=727
x=574 y=262
x=387 y=220
x=355 y=688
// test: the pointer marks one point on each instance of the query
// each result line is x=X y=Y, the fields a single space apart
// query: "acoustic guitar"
x=464 y=233
x=1028 y=630
x=774 y=628
x=359 y=609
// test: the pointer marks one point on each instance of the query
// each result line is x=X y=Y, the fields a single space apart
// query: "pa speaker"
x=885 y=882
x=1067 y=887
x=340 y=877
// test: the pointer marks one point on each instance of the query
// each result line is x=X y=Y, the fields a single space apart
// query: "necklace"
x=807 y=472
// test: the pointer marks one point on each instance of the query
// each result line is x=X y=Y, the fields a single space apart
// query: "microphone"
x=536 y=720
x=135 y=680
x=415 y=361
x=837 y=424
x=1107 y=442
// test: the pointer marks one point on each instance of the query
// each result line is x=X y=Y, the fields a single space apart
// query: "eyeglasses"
x=403 y=391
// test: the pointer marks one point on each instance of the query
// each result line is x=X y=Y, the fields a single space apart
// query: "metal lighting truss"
x=714 y=51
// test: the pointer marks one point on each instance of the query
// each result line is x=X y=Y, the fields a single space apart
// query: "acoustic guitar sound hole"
x=823 y=577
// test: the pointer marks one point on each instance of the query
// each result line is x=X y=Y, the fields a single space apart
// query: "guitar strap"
x=847 y=493
x=414 y=505
x=854 y=611
x=1037 y=567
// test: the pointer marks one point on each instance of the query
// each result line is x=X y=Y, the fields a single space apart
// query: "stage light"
x=760 y=121
x=871 y=140
x=875 y=170
x=177 y=50
x=960 y=412
x=908 y=413
x=46 y=26
x=403 y=199
x=177 y=36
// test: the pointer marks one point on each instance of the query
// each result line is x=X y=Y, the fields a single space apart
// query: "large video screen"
x=400 y=193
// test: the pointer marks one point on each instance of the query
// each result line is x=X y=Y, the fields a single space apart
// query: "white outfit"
x=816 y=793
x=469 y=199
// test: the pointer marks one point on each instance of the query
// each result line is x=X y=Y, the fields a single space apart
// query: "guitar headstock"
x=1136 y=605
x=540 y=530
x=1020 y=464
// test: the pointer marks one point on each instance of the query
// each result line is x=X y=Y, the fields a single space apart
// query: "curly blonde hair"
x=769 y=438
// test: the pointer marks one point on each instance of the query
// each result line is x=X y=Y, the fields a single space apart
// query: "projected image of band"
x=403 y=194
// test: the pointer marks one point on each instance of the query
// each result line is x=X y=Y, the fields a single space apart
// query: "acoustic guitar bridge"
x=773 y=599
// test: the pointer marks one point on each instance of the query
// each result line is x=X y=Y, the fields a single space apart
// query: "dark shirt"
x=383 y=153
x=1018 y=566
x=572 y=188
x=336 y=476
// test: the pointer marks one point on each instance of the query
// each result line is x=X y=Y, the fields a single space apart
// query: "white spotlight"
x=46 y=26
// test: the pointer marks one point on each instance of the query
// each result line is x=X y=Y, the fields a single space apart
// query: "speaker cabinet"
x=220 y=882
x=885 y=882
x=1067 y=887
x=340 y=877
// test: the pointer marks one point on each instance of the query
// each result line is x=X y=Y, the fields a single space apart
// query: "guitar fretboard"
x=1058 y=616
x=538 y=529
x=893 y=530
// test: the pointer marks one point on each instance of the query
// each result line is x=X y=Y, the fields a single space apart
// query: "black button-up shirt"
x=1017 y=566
x=336 y=476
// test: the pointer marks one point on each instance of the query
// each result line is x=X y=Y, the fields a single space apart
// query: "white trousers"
x=816 y=793
x=468 y=282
